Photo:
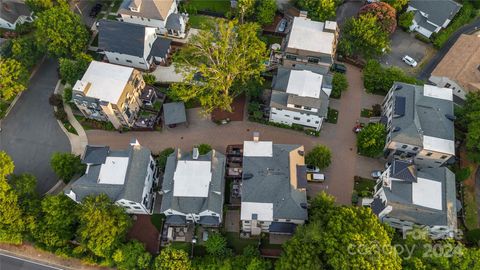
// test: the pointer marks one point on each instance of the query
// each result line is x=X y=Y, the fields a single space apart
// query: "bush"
x=462 y=174
x=162 y=158
x=422 y=38
x=378 y=80
x=204 y=148
x=55 y=100
x=463 y=17
x=149 y=79
x=371 y=140
x=66 y=165
x=67 y=95
x=320 y=156
x=339 y=84
x=405 y=20
x=473 y=237
x=61 y=115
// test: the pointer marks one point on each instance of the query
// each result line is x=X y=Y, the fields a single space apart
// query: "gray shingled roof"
x=174 y=113
x=160 y=47
x=214 y=201
x=403 y=170
x=423 y=116
x=11 y=10
x=270 y=183
x=95 y=154
x=173 y=22
x=422 y=21
x=121 y=37
x=438 y=11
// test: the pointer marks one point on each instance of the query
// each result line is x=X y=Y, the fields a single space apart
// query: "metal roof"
x=174 y=113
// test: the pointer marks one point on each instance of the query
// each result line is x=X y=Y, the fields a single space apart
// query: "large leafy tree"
x=72 y=70
x=12 y=224
x=172 y=259
x=379 y=80
x=320 y=156
x=319 y=10
x=39 y=5
x=245 y=8
x=66 y=165
x=386 y=15
x=227 y=59
x=339 y=237
x=13 y=78
x=405 y=20
x=364 y=36
x=371 y=140
x=132 y=256
x=102 y=225
x=396 y=4
x=57 y=222
x=26 y=51
x=24 y=185
x=61 y=31
x=265 y=11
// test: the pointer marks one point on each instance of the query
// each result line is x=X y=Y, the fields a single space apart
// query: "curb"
x=24 y=258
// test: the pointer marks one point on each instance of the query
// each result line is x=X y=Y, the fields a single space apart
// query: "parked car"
x=340 y=68
x=315 y=177
x=95 y=10
x=282 y=26
x=312 y=169
x=376 y=174
x=409 y=61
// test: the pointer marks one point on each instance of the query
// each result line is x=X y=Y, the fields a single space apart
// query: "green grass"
x=157 y=220
x=182 y=246
x=200 y=21
x=238 y=244
x=220 y=6
x=366 y=113
x=470 y=205
x=364 y=186
x=332 y=116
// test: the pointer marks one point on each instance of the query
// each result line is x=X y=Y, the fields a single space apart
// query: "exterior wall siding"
x=128 y=60
x=293 y=117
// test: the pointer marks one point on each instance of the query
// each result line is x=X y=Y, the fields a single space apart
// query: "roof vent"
x=398 y=87
x=195 y=153
x=450 y=117
x=247 y=176
x=303 y=205
x=301 y=153
x=256 y=136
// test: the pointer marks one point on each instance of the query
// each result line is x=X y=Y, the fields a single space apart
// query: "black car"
x=95 y=10
x=340 y=68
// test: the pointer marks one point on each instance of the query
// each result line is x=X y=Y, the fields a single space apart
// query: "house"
x=310 y=42
x=193 y=188
x=420 y=124
x=432 y=16
x=132 y=45
x=273 y=189
x=174 y=114
x=13 y=13
x=160 y=14
x=109 y=92
x=459 y=68
x=128 y=177
x=300 y=97
x=406 y=196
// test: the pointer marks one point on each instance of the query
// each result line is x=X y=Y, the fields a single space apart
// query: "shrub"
x=422 y=38
x=339 y=84
x=67 y=94
x=462 y=174
x=55 y=100
x=371 y=140
x=320 y=156
x=376 y=110
x=204 y=148
x=473 y=237
x=61 y=115
x=149 y=79
x=405 y=20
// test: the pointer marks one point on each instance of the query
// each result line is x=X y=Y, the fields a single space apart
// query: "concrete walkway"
x=339 y=138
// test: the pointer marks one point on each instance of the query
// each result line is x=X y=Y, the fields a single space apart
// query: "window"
x=438 y=162
x=420 y=158
x=286 y=115
x=287 y=220
x=313 y=60
x=291 y=57
x=131 y=17
x=132 y=203
x=150 y=44
x=148 y=19
x=275 y=219
x=429 y=154
x=296 y=118
x=116 y=58
x=447 y=85
x=415 y=148
x=129 y=61
x=273 y=112
x=404 y=146
x=316 y=122
x=141 y=63
x=260 y=222
x=137 y=207
x=278 y=109
x=307 y=108
x=213 y=214
x=247 y=222
x=443 y=157
x=297 y=106
x=126 y=206
x=308 y=120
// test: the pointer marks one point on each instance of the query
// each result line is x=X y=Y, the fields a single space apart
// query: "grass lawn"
x=366 y=113
x=182 y=245
x=238 y=244
x=332 y=116
x=220 y=6
x=471 y=213
x=200 y=21
x=364 y=186
x=157 y=220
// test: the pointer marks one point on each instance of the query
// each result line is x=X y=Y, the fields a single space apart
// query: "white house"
x=432 y=16
x=300 y=97
x=13 y=13
x=128 y=177
x=132 y=45
x=406 y=197
x=273 y=189
x=193 y=188
x=160 y=14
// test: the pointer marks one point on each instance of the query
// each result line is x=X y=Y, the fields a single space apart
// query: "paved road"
x=427 y=70
x=30 y=133
x=8 y=262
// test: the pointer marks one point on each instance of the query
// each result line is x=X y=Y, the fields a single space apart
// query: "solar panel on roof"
x=399 y=108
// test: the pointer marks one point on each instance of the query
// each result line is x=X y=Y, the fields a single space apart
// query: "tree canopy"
x=319 y=10
x=66 y=165
x=364 y=36
x=26 y=51
x=468 y=120
x=172 y=259
x=13 y=78
x=405 y=20
x=216 y=245
x=132 y=256
x=39 y=5
x=379 y=80
x=231 y=54
x=61 y=31
x=339 y=84
x=385 y=14
x=320 y=156
x=72 y=70
x=371 y=140
x=396 y=4
x=265 y=11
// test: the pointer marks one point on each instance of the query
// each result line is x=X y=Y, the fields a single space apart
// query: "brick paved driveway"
x=339 y=138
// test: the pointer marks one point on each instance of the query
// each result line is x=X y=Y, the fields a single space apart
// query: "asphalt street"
x=30 y=133
x=8 y=262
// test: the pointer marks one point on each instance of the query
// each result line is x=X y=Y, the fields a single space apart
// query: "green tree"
x=340 y=238
x=216 y=245
x=38 y=6
x=265 y=11
x=72 y=70
x=149 y=79
x=245 y=8
x=371 y=140
x=57 y=222
x=172 y=259
x=386 y=15
x=379 y=80
x=397 y=4
x=102 y=225
x=12 y=224
x=132 y=256
x=232 y=54
x=13 y=78
x=319 y=10
x=25 y=51
x=24 y=185
x=61 y=31
x=405 y=20
x=364 y=36
x=204 y=148
x=66 y=165
x=320 y=156
x=339 y=84
x=162 y=158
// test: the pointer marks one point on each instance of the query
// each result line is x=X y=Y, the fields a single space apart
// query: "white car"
x=409 y=61
x=376 y=174
x=312 y=169
x=283 y=25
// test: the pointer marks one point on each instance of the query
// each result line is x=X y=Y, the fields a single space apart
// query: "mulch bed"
x=144 y=231
x=238 y=107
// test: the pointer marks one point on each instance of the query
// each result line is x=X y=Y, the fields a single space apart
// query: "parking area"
x=403 y=43
x=348 y=9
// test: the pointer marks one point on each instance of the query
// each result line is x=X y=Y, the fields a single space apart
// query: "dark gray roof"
x=214 y=201
x=95 y=154
x=403 y=170
x=400 y=198
x=132 y=189
x=422 y=21
x=176 y=220
x=377 y=206
x=209 y=220
x=270 y=183
x=10 y=10
x=282 y=227
x=301 y=176
x=423 y=115
x=174 y=113
x=438 y=11
x=173 y=22
x=160 y=47
x=121 y=37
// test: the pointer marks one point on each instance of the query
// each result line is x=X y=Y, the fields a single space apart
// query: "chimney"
x=134 y=142
x=256 y=136
x=303 y=14
x=195 y=153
